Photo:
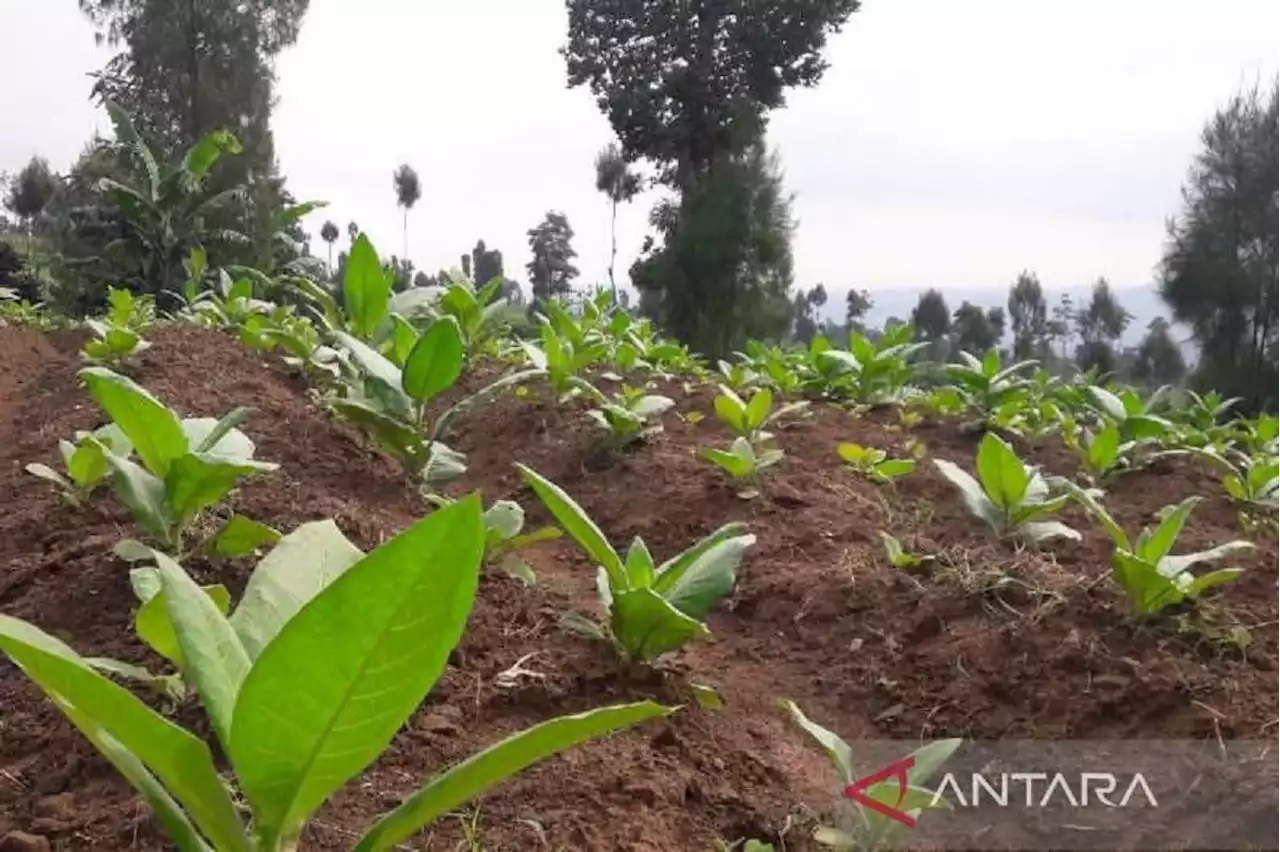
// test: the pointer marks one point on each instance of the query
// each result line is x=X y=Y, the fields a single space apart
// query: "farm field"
x=992 y=640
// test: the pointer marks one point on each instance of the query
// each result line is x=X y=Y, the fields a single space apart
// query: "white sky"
x=949 y=144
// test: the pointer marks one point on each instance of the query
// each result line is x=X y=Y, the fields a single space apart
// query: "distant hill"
x=1143 y=302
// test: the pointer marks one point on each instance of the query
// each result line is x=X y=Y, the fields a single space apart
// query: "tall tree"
x=857 y=304
x=353 y=231
x=932 y=320
x=976 y=331
x=1100 y=326
x=1219 y=271
x=408 y=191
x=551 y=271
x=30 y=191
x=1061 y=327
x=688 y=86
x=1158 y=360
x=619 y=183
x=486 y=263
x=1029 y=316
x=685 y=83
x=329 y=233
x=724 y=272
x=805 y=308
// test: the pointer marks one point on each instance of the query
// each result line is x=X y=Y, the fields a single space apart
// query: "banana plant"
x=652 y=608
x=869 y=828
x=744 y=462
x=85 y=461
x=1151 y=577
x=1012 y=498
x=306 y=683
x=188 y=465
x=874 y=463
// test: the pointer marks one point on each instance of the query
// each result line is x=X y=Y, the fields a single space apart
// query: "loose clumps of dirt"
x=992 y=643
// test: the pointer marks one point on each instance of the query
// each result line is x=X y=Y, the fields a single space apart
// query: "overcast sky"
x=949 y=143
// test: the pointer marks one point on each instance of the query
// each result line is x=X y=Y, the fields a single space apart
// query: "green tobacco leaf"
x=735 y=464
x=577 y=524
x=403 y=338
x=1107 y=402
x=1157 y=546
x=1172 y=566
x=639 y=565
x=154 y=430
x=87 y=465
x=893 y=468
x=436 y=360
x=357 y=660
x=144 y=496
x=297 y=569
x=197 y=481
x=502 y=522
x=481 y=772
x=647 y=626
x=365 y=289
x=1104 y=449
x=694 y=585
x=241 y=536
x=153 y=625
x=220 y=437
x=128 y=732
x=216 y=661
x=835 y=747
x=731 y=410
x=393 y=435
x=1004 y=478
x=758 y=409
x=975 y=499
x=1213 y=578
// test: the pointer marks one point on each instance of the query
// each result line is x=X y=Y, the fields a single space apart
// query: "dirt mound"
x=994 y=643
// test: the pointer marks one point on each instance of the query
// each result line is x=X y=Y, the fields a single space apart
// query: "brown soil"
x=994 y=643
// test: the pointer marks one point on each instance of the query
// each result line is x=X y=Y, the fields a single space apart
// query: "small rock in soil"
x=20 y=841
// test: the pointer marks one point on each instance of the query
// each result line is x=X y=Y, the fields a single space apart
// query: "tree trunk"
x=613 y=250
x=406 y=234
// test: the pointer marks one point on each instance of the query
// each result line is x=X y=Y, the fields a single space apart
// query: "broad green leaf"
x=366 y=291
x=373 y=363
x=854 y=454
x=154 y=430
x=436 y=360
x=197 y=481
x=403 y=338
x=1146 y=426
x=651 y=405
x=241 y=536
x=735 y=464
x=207 y=151
x=359 y=657
x=298 y=568
x=894 y=468
x=144 y=496
x=502 y=521
x=482 y=771
x=1004 y=477
x=975 y=499
x=1107 y=402
x=731 y=410
x=216 y=662
x=639 y=565
x=87 y=465
x=1160 y=542
x=220 y=437
x=122 y=726
x=694 y=585
x=1104 y=448
x=577 y=524
x=758 y=408
x=153 y=625
x=1172 y=566
x=1214 y=578
x=835 y=747
x=396 y=437
x=647 y=626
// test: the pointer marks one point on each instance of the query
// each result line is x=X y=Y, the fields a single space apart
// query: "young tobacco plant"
x=1012 y=498
x=118 y=337
x=866 y=828
x=874 y=463
x=1151 y=577
x=987 y=385
x=1102 y=453
x=306 y=683
x=85 y=460
x=188 y=465
x=745 y=463
x=504 y=536
x=1251 y=481
x=652 y=608
x=749 y=419
x=899 y=557
x=631 y=415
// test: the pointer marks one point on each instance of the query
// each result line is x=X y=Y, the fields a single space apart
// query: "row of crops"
x=329 y=650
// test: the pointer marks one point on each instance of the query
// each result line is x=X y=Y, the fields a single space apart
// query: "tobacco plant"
x=188 y=465
x=631 y=415
x=988 y=386
x=85 y=461
x=749 y=419
x=305 y=684
x=874 y=463
x=745 y=463
x=652 y=608
x=118 y=337
x=872 y=829
x=1012 y=498
x=1151 y=577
